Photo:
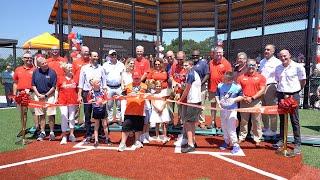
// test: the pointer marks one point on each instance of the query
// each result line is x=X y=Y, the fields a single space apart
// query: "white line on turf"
x=43 y=158
x=81 y=145
x=221 y=155
x=251 y=168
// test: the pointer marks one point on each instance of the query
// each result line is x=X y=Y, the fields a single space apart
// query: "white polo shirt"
x=113 y=72
x=267 y=68
x=289 y=77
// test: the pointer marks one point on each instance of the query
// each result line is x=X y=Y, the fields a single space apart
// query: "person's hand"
x=247 y=99
x=41 y=96
x=99 y=102
x=80 y=100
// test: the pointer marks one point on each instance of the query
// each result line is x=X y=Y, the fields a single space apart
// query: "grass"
x=2 y=90
x=80 y=175
x=10 y=126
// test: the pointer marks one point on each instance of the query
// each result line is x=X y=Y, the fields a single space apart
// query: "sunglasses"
x=251 y=65
x=157 y=64
x=113 y=54
x=185 y=65
x=180 y=59
x=27 y=57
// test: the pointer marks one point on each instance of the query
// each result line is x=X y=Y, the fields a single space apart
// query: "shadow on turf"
x=315 y=128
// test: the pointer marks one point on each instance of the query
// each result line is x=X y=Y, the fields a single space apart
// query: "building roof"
x=116 y=14
x=8 y=42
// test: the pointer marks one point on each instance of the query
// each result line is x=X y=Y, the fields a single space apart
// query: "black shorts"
x=132 y=123
x=99 y=113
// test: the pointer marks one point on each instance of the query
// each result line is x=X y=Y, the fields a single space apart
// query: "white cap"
x=112 y=51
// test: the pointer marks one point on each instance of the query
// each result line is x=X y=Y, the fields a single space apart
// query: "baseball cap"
x=112 y=51
x=135 y=75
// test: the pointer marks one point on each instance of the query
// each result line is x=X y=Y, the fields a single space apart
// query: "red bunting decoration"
x=22 y=99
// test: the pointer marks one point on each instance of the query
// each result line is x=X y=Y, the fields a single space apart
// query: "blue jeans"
x=8 y=89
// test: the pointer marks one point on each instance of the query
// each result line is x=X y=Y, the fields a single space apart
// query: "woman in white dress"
x=160 y=114
x=126 y=78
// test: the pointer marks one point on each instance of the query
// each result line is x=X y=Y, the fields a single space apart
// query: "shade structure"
x=117 y=14
x=44 y=41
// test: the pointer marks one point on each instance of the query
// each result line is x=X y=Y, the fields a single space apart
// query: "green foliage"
x=9 y=60
x=80 y=174
x=189 y=45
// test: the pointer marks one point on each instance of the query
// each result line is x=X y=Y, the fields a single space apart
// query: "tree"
x=190 y=45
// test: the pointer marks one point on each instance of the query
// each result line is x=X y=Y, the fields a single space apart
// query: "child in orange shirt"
x=135 y=112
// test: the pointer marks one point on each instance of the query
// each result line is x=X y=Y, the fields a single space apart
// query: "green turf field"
x=80 y=175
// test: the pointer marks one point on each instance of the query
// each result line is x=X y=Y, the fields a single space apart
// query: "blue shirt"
x=202 y=68
x=7 y=77
x=229 y=91
x=44 y=81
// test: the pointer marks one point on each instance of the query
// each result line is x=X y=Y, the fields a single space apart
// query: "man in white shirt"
x=90 y=71
x=113 y=69
x=267 y=69
x=291 y=78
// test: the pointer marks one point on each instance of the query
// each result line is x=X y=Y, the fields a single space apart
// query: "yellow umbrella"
x=44 y=41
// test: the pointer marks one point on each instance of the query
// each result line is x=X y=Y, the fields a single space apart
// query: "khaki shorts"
x=191 y=114
x=45 y=111
x=212 y=96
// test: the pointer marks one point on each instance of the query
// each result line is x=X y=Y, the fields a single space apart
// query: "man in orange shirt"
x=135 y=112
x=218 y=66
x=55 y=61
x=22 y=79
x=253 y=85
x=141 y=64
x=78 y=63
x=178 y=78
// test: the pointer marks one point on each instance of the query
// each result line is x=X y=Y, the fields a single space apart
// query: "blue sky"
x=24 y=19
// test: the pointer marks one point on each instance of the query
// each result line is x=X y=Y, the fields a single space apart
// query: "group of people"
x=134 y=94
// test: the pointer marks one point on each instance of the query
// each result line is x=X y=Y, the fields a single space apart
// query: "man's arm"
x=205 y=79
x=303 y=83
x=185 y=92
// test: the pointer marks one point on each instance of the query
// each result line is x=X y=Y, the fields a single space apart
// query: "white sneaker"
x=63 y=140
x=165 y=139
x=121 y=147
x=137 y=145
x=72 y=138
x=181 y=142
x=145 y=140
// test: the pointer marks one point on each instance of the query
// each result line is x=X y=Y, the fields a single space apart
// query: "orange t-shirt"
x=55 y=64
x=135 y=104
x=67 y=91
x=251 y=84
x=161 y=76
x=23 y=77
x=141 y=66
x=217 y=70
x=76 y=67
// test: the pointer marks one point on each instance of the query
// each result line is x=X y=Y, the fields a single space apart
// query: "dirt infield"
x=156 y=160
